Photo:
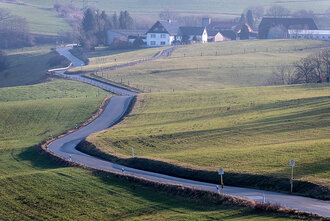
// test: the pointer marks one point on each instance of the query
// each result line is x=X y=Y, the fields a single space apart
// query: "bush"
x=58 y=60
x=120 y=43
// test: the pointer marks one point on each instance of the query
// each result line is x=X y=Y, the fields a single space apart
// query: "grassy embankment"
x=252 y=133
x=32 y=187
x=40 y=20
x=27 y=66
x=215 y=65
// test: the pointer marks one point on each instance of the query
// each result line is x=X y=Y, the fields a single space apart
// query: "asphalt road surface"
x=115 y=110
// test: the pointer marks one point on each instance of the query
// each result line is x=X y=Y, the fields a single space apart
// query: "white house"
x=197 y=34
x=163 y=33
x=309 y=34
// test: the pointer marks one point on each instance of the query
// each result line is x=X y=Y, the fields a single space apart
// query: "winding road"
x=65 y=147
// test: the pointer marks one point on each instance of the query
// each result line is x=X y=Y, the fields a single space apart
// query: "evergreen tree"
x=115 y=22
x=250 y=18
x=242 y=19
x=89 y=21
x=244 y=34
x=125 y=20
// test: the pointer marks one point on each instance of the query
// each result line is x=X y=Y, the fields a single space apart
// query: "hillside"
x=227 y=8
x=32 y=187
x=26 y=66
x=214 y=65
x=41 y=21
x=246 y=131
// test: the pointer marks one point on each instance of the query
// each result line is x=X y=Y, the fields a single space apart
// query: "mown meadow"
x=40 y=20
x=33 y=187
x=103 y=58
x=253 y=131
x=214 y=65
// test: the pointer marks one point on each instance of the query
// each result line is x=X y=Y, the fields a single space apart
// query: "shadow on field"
x=37 y=159
x=233 y=179
x=170 y=199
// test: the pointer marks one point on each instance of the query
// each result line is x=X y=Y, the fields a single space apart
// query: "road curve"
x=66 y=147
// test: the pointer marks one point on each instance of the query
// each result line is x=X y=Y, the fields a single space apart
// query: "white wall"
x=159 y=40
x=323 y=37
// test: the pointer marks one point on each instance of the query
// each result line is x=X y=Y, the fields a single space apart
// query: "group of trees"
x=95 y=24
x=14 y=31
x=247 y=18
x=312 y=69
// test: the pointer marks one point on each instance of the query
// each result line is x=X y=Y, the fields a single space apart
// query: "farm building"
x=309 y=34
x=216 y=36
x=125 y=35
x=197 y=34
x=163 y=33
x=277 y=28
x=229 y=29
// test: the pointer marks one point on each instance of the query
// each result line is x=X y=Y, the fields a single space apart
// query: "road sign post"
x=292 y=164
x=221 y=172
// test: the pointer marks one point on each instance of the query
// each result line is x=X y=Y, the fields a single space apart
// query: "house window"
x=162 y=36
x=162 y=43
x=153 y=35
x=153 y=43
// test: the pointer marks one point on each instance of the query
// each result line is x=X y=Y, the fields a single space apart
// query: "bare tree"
x=283 y=74
x=258 y=11
x=14 y=31
x=305 y=71
x=325 y=57
x=317 y=63
x=278 y=11
x=168 y=14
x=304 y=14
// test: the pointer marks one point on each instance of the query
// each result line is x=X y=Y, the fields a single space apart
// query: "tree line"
x=95 y=24
x=312 y=69
x=14 y=31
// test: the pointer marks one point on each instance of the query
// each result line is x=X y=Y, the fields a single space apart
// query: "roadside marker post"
x=132 y=152
x=292 y=164
x=221 y=172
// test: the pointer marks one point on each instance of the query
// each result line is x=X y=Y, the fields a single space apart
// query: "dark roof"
x=170 y=27
x=128 y=32
x=187 y=30
x=288 y=23
x=229 y=34
x=228 y=25
x=212 y=33
x=222 y=25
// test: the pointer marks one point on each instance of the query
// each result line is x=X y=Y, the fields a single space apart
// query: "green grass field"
x=27 y=66
x=41 y=21
x=224 y=8
x=34 y=188
x=247 y=130
x=43 y=110
x=215 y=65
x=104 y=58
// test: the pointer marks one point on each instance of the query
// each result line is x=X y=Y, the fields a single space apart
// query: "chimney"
x=206 y=21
